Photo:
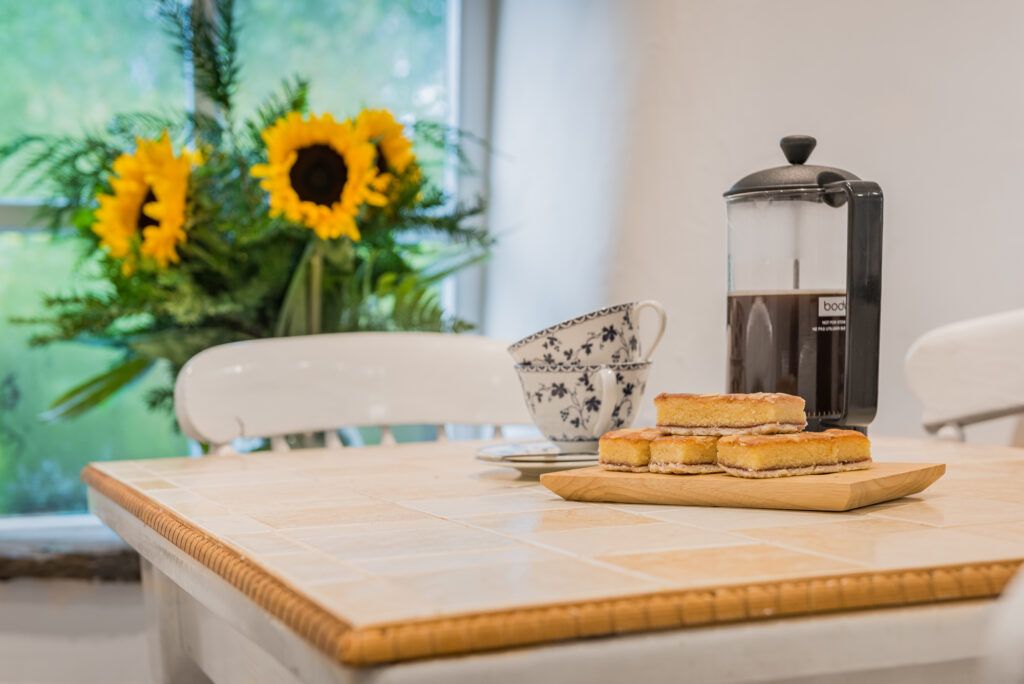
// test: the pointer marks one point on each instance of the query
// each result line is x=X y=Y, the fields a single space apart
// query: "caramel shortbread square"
x=681 y=455
x=852 y=447
x=628 y=450
x=730 y=414
x=806 y=453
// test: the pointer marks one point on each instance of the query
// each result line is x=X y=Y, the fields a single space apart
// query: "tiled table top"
x=392 y=541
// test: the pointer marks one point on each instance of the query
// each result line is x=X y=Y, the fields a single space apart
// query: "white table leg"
x=169 y=662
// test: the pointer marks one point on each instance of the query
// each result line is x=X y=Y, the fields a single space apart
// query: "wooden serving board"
x=832 y=492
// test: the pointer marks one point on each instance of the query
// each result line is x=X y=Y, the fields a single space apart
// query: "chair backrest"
x=319 y=383
x=969 y=372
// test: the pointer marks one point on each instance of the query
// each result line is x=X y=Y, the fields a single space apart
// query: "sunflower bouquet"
x=204 y=227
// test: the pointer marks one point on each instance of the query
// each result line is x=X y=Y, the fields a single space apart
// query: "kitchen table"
x=417 y=563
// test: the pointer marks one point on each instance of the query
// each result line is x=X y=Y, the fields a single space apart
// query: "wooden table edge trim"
x=476 y=632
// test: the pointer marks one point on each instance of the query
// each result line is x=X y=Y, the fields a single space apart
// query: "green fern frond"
x=450 y=139
x=412 y=303
x=148 y=125
x=160 y=399
x=293 y=97
x=205 y=33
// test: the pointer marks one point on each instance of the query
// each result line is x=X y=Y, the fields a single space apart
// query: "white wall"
x=619 y=124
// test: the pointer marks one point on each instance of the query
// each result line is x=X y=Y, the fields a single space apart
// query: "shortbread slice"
x=730 y=414
x=680 y=455
x=628 y=450
x=853 y=449
x=763 y=456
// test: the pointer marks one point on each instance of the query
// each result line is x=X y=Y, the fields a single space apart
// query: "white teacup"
x=608 y=335
x=574 y=405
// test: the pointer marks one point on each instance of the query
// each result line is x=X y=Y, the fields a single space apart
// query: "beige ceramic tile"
x=726 y=565
x=148 y=482
x=370 y=601
x=369 y=471
x=461 y=507
x=317 y=513
x=442 y=488
x=313 y=535
x=554 y=520
x=176 y=495
x=1008 y=475
x=191 y=509
x=261 y=544
x=310 y=567
x=206 y=464
x=880 y=543
x=219 y=525
x=517 y=584
x=714 y=518
x=598 y=541
x=936 y=451
x=123 y=469
x=412 y=565
x=947 y=511
x=969 y=486
x=400 y=543
x=996 y=460
x=1009 y=531
x=228 y=478
x=1007 y=487
x=282 y=492
x=187 y=503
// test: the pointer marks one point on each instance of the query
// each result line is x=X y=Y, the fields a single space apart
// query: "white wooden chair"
x=1004 y=652
x=969 y=372
x=966 y=373
x=319 y=383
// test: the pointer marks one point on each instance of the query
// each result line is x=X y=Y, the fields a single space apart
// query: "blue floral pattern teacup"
x=574 y=405
x=608 y=335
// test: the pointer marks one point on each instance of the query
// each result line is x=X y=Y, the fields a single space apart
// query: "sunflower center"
x=382 y=165
x=318 y=175
x=144 y=221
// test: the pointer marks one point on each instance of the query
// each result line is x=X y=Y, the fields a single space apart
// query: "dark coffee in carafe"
x=792 y=342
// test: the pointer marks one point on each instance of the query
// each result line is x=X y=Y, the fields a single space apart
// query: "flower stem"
x=316 y=286
x=292 y=319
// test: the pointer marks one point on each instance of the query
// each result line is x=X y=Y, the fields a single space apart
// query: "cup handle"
x=662 y=321
x=606 y=376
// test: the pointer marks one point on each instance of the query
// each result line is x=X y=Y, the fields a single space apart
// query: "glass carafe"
x=805 y=258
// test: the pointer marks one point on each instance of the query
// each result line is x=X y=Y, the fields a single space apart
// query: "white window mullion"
x=471 y=66
x=17 y=214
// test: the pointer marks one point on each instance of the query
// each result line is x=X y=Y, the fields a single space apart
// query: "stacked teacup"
x=586 y=376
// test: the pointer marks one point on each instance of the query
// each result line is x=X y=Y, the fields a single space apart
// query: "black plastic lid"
x=796 y=176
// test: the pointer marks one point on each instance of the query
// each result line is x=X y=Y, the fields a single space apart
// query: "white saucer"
x=534 y=458
x=536 y=450
x=538 y=467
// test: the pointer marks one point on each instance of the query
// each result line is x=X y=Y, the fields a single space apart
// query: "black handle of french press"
x=863 y=298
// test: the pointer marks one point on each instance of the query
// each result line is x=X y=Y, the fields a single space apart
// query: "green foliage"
x=205 y=34
x=242 y=274
x=90 y=393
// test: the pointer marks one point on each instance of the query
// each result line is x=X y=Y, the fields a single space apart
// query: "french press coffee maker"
x=805 y=284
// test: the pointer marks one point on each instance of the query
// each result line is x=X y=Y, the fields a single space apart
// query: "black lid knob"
x=797 y=148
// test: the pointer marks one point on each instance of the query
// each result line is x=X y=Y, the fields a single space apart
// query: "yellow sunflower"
x=318 y=173
x=394 y=150
x=149 y=196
